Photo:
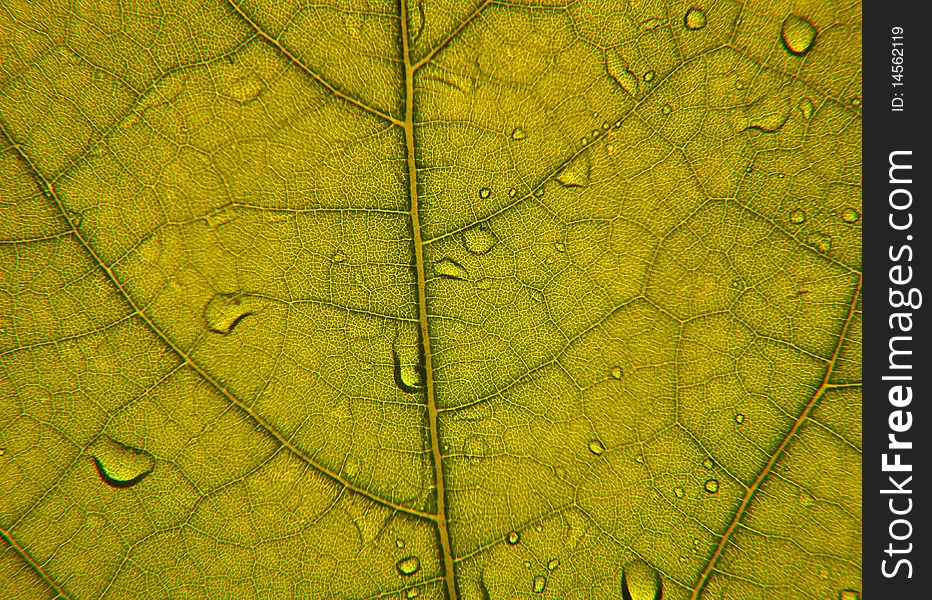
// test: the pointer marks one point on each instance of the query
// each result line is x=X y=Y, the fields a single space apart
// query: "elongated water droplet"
x=649 y=76
x=651 y=24
x=798 y=216
x=409 y=565
x=847 y=595
x=711 y=486
x=576 y=173
x=850 y=215
x=225 y=311
x=739 y=418
x=513 y=538
x=450 y=269
x=485 y=192
x=617 y=67
x=539 y=585
x=119 y=465
x=479 y=239
x=616 y=372
x=695 y=19
x=640 y=581
x=798 y=34
x=518 y=134
x=553 y=564
x=409 y=371
x=596 y=447
x=806 y=108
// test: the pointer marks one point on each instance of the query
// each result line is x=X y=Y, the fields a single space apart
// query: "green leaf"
x=465 y=300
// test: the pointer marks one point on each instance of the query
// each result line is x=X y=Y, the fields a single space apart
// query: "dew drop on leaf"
x=400 y=543
x=512 y=192
x=409 y=565
x=798 y=216
x=224 y=312
x=649 y=76
x=553 y=564
x=2 y=451
x=338 y=256
x=518 y=134
x=617 y=67
x=711 y=486
x=739 y=418
x=449 y=268
x=640 y=581
x=798 y=34
x=576 y=173
x=820 y=242
x=666 y=109
x=679 y=492
x=539 y=192
x=651 y=24
x=847 y=595
x=850 y=215
x=708 y=463
x=119 y=465
x=806 y=108
x=596 y=447
x=479 y=239
x=485 y=192
x=694 y=19
x=616 y=372
x=855 y=101
x=540 y=584
x=513 y=538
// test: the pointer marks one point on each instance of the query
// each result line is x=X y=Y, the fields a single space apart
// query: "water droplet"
x=596 y=447
x=617 y=67
x=119 y=465
x=409 y=565
x=539 y=192
x=2 y=451
x=553 y=564
x=408 y=377
x=711 y=486
x=479 y=239
x=708 y=463
x=850 y=215
x=666 y=109
x=639 y=459
x=484 y=283
x=739 y=418
x=856 y=101
x=485 y=192
x=513 y=538
x=798 y=216
x=408 y=361
x=246 y=89
x=539 y=527
x=225 y=311
x=616 y=372
x=806 y=108
x=400 y=543
x=651 y=24
x=606 y=125
x=412 y=593
x=695 y=19
x=512 y=192
x=820 y=242
x=527 y=564
x=847 y=595
x=540 y=584
x=518 y=134
x=560 y=247
x=640 y=581
x=798 y=34
x=806 y=499
x=449 y=268
x=680 y=492
x=649 y=76
x=338 y=256
x=576 y=173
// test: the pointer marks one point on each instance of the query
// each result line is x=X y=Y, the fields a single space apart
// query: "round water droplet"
x=850 y=215
x=708 y=463
x=739 y=418
x=798 y=34
x=606 y=125
x=640 y=581
x=798 y=216
x=512 y=192
x=616 y=372
x=119 y=465
x=400 y=543
x=596 y=447
x=806 y=108
x=539 y=585
x=513 y=538
x=694 y=19
x=666 y=109
x=485 y=192
x=527 y=564
x=679 y=492
x=518 y=134
x=338 y=256
x=553 y=564
x=576 y=173
x=409 y=565
x=848 y=595
x=479 y=239
x=2 y=451
x=225 y=311
x=450 y=269
x=711 y=486
x=649 y=76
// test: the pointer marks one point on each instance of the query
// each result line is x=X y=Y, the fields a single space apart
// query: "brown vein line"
x=803 y=417
x=430 y=55
x=307 y=70
x=222 y=390
x=432 y=413
x=33 y=564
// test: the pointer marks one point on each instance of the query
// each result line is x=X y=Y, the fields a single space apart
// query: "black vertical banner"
x=897 y=498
